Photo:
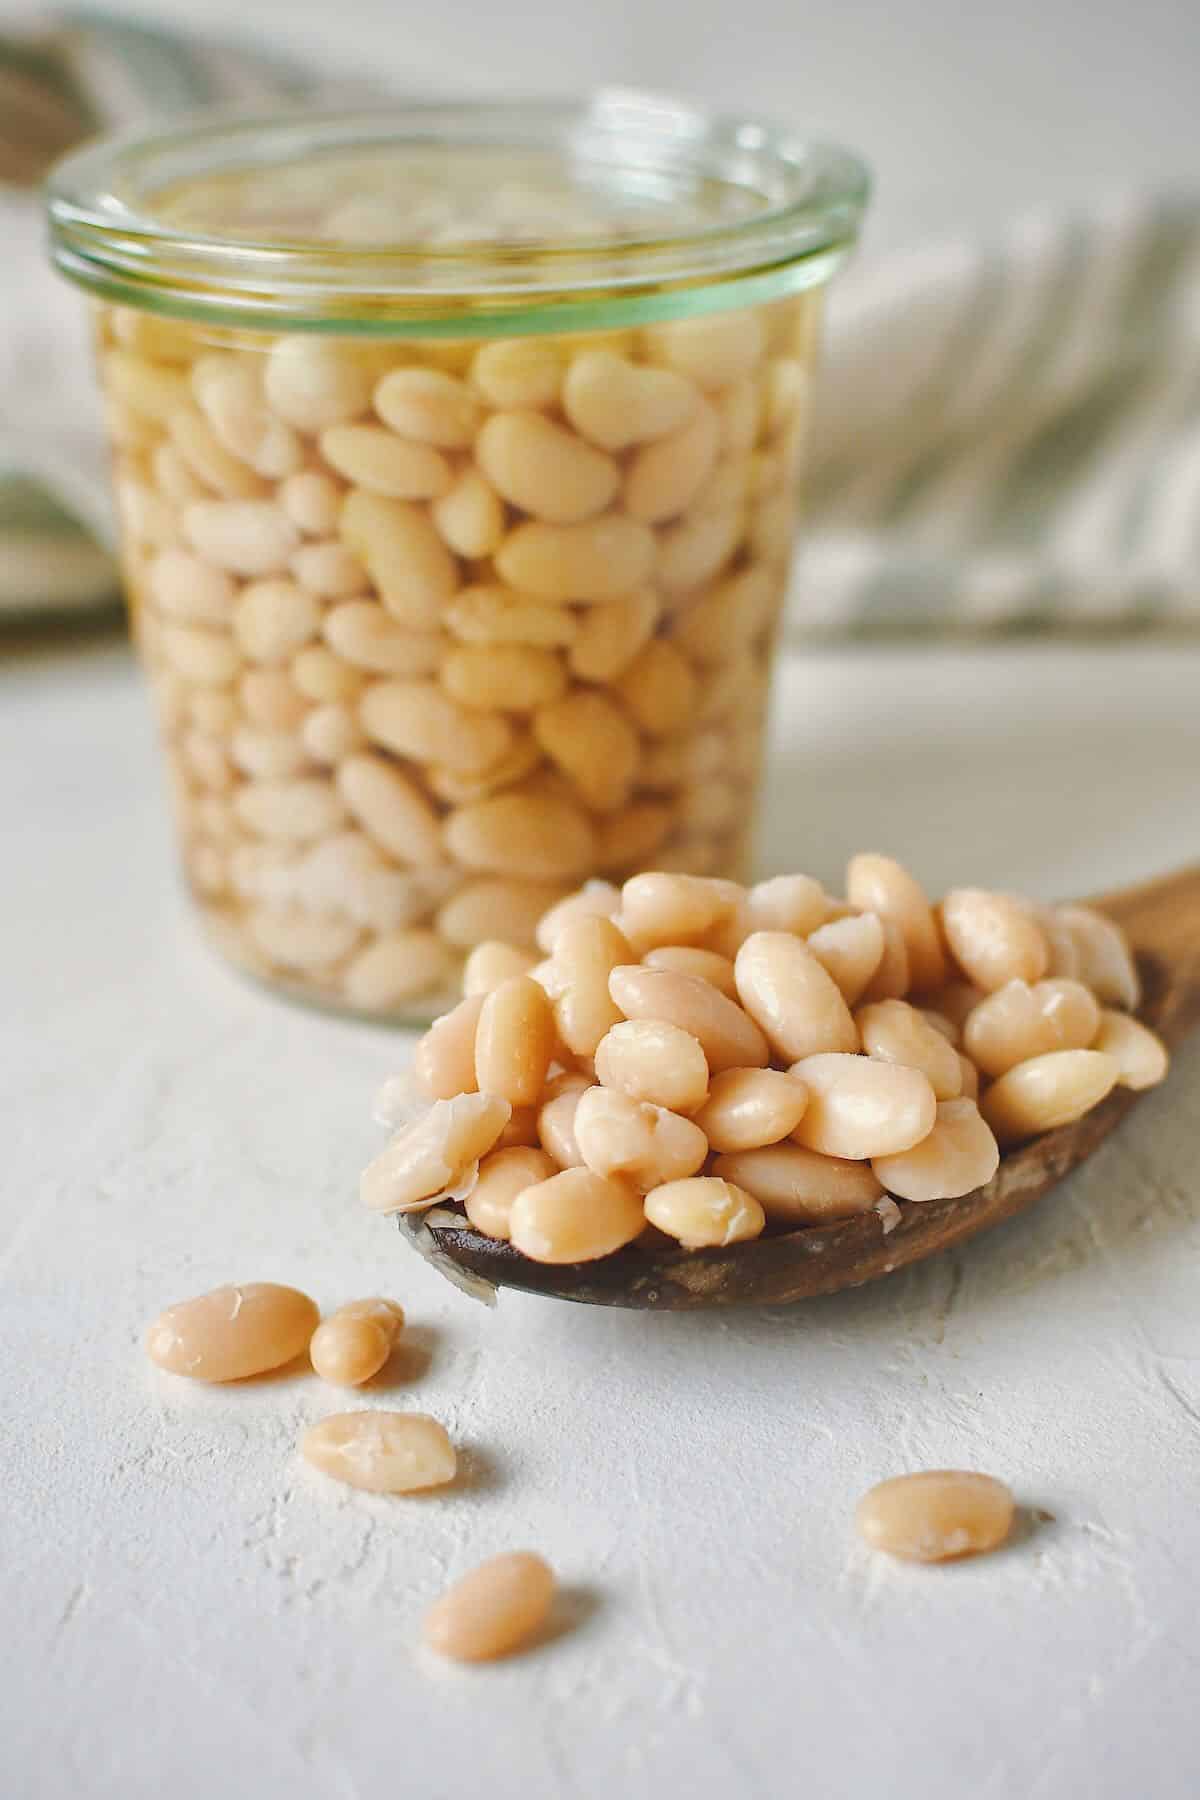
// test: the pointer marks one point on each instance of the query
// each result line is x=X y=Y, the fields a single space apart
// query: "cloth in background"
x=1008 y=435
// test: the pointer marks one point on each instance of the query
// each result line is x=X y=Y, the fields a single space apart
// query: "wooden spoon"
x=1162 y=922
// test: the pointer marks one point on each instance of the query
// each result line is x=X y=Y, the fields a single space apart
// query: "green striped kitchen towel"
x=84 y=73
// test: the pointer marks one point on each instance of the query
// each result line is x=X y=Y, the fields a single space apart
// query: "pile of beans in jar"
x=710 y=1062
x=436 y=630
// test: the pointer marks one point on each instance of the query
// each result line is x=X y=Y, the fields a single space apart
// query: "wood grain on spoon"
x=1162 y=922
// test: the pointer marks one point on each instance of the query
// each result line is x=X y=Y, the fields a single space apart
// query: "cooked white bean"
x=729 y=1038
x=496 y=908
x=647 y=1059
x=186 y=588
x=658 y=689
x=686 y=959
x=992 y=938
x=206 y=657
x=959 y=1155
x=881 y=885
x=428 y=406
x=312 y=383
x=382 y=463
x=937 y=1515
x=274 y=619
x=596 y=560
x=609 y=637
x=545 y=470
x=493 y=1611
x=536 y=837
x=435 y=1152
x=270 y=697
x=503 y=677
x=712 y=350
x=320 y=674
x=644 y=1143
x=792 y=997
x=586 y=950
x=470 y=515
x=749 y=1108
x=895 y=1032
x=381 y=1452
x=664 y=478
x=519 y=372
x=514 y=1041
x=444 y=1059
x=663 y=908
x=1140 y=1056
x=575 y=1216
x=329 y=570
x=246 y=537
x=1020 y=1021
x=265 y=755
x=146 y=387
x=231 y=398
x=418 y=719
x=331 y=733
x=633 y=836
x=556 y=1119
x=353 y=1343
x=1104 y=960
x=294 y=938
x=595 y=899
x=391 y=808
x=395 y=967
x=312 y=501
x=292 y=811
x=1046 y=1092
x=233 y=1332
x=851 y=950
x=495 y=614
x=705 y=1212
x=203 y=454
x=860 y=1108
x=891 y=979
x=369 y=638
x=697 y=548
x=800 y=1187
x=493 y=962
x=617 y=403
x=411 y=569
x=503 y=1174
x=591 y=741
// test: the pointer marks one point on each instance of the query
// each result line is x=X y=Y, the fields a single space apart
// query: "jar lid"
x=456 y=219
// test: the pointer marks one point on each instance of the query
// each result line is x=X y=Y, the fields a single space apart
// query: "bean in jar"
x=453 y=606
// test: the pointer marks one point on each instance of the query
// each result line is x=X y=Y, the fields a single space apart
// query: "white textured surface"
x=189 y=1612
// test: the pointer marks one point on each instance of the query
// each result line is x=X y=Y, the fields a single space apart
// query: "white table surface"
x=188 y=1612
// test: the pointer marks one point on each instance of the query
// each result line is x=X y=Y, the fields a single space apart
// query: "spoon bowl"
x=1162 y=922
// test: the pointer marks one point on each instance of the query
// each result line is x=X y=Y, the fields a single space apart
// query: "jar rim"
x=796 y=205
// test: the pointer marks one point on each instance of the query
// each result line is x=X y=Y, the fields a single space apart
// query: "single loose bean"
x=503 y=677
x=664 y=478
x=493 y=1611
x=795 y=1186
x=312 y=501
x=895 y=1032
x=1047 y=1091
x=188 y=589
x=312 y=383
x=270 y=697
x=586 y=950
x=1140 y=1056
x=274 y=619
x=792 y=997
x=381 y=1452
x=295 y=939
x=382 y=463
x=635 y=1139
x=662 y=908
x=434 y=1153
x=494 y=908
x=266 y=755
x=494 y=614
x=556 y=1119
x=686 y=959
x=617 y=403
x=712 y=350
x=611 y=636
x=728 y=1037
x=493 y=962
x=206 y=657
x=395 y=968
x=851 y=950
x=353 y=1343
x=648 y=1059
x=233 y=1332
x=503 y=1174
x=411 y=569
x=704 y=1212
x=246 y=537
x=321 y=675
x=544 y=469
x=470 y=515
x=658 y=689
x=444 y=1059
x=891 y=979
x=595 y=899
x=697 y=548
x=536 y=837
x=292 y=811
x=519 y=372
x=598 y=559
x=591 y=741
x=329 y=570
x=1018 y=1022
x=514 y=1041
x=369 y=638
x=860 y=1108
x=429 y=407
x=749 y=1108
x=959 y=1155
x=1104 y=960
x=419 y=720
x=993 y=939
x=575 y=1216
x=881 y=885
x=937 y=1515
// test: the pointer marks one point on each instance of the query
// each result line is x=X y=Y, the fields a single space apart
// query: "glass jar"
x=455 y=452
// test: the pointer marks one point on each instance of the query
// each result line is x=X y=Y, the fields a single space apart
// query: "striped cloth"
x=1008 y=435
